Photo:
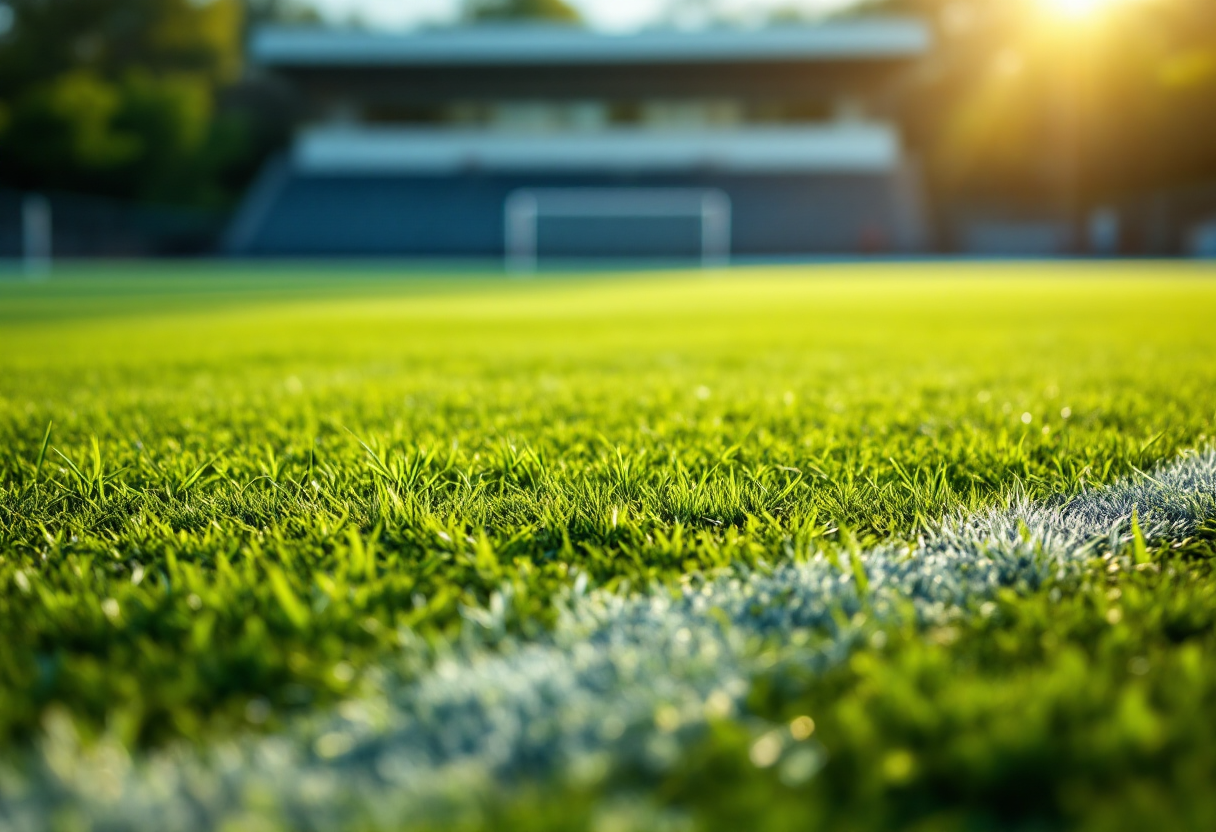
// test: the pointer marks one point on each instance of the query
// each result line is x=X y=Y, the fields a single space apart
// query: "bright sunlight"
x=1078 y=9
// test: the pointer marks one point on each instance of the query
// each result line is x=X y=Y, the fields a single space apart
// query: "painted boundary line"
x=622 y=680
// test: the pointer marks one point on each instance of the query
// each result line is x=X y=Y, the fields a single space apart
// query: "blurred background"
x=662 y=129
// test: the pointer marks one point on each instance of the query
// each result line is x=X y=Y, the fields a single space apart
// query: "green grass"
x=255 y=481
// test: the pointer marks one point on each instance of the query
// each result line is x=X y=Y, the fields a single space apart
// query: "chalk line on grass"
x=622 y=680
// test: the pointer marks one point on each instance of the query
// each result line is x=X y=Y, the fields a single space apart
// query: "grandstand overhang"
x=566 y=63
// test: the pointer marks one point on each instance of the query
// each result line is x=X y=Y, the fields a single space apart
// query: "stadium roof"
x=882 y=39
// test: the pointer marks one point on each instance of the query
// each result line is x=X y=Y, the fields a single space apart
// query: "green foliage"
x=281 y=11
x=227 y=496
x=120 y=98
x=505 y=10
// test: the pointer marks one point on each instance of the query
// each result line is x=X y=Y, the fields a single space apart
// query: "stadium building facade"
x=549 y=142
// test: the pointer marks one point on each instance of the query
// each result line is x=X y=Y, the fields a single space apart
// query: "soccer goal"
x=525 y=210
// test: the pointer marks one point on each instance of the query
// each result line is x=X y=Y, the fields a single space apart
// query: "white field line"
x=622 y=680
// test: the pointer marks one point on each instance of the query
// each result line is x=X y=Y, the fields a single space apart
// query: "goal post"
x=36 y=235
x=525 y=208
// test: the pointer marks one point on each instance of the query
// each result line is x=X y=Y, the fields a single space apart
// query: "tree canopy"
x=506 y=10
x=121 y=97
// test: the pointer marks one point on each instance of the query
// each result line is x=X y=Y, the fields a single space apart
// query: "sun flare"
x=1077 y=9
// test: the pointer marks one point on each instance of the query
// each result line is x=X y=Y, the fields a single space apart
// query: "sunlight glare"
x=1077 y=9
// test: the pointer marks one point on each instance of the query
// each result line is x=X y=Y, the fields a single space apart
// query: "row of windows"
x=596 y=115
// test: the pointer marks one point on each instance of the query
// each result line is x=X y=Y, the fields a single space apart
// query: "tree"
x=280 y=11
x=125 y=98
x=506 y=10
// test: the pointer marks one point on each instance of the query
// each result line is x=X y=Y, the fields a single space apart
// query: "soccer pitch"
x=850 y=547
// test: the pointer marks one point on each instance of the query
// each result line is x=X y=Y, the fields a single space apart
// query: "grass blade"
x=46 y=440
